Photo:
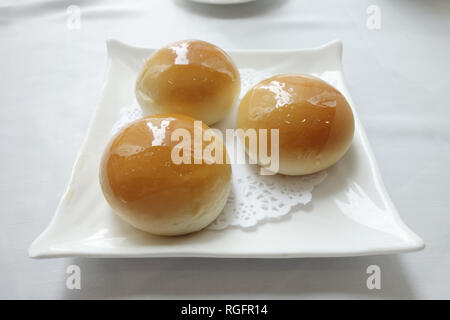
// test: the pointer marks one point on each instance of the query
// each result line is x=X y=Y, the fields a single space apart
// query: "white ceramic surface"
x=350 y=213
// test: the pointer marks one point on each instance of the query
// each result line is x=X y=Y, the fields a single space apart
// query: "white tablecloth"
x=51 y=77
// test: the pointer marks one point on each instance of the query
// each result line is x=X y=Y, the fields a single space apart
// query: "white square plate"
x=350 y=213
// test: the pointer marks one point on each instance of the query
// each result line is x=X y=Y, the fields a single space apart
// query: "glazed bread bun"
x=314 y=119
x=147 y=189
x=189 y=77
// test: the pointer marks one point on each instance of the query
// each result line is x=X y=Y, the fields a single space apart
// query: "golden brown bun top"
x=138 y=175
x=314 y=119
x=190 y=77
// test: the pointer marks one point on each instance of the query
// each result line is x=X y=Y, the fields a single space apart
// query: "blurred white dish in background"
x=222 y=1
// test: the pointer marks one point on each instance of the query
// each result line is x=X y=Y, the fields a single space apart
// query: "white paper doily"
x=254 y=198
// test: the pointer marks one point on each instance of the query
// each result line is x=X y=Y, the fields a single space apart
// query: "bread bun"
x=189 y=77
x=147 y=189
x=314 y=119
